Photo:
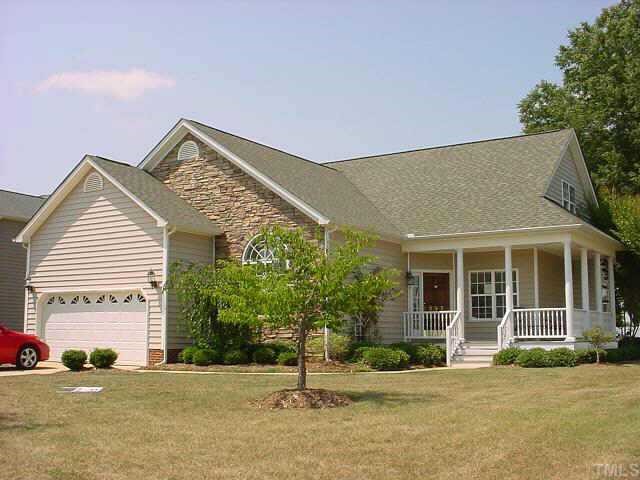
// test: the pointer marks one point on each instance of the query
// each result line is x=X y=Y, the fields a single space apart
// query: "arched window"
x=188 y=150
x=256 y=252
x=93 y=182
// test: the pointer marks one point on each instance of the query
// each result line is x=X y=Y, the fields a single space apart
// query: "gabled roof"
x=18 y=206
x=318 y=190
x=148 y=192
x=473 y=187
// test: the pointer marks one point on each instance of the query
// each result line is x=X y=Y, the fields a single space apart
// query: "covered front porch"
x=561 y=284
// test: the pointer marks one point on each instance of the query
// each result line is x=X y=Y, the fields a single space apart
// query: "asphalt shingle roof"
x=19 y=206
x=158 y=197
x=323 y=188
x=474 y=187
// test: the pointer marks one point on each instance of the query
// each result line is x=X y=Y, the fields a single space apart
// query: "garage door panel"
x=121 y=326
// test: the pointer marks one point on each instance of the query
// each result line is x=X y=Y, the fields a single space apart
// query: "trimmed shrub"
x=74 y=359
x=431 y=355
x=587 y=356
x=205 y=356
x=534 y=358
x=103 y=357
x=506 y=356
x=357 y=348
x=186 y=355
x=265 y=355
x=288 y=358
x=383 y=358
x=624 y=354
x=561 y=357
x=235 y=357
x=410 y=349
x=280 y=346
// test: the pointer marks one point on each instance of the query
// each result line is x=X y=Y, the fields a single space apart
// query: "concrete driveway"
x=43 y=368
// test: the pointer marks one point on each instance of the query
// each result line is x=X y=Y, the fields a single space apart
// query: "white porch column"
x=584 y=278
x=508 y=279
x=612 y=290
x=460 y=287
x=597 y=276
x=536 y=281
x=568 y=288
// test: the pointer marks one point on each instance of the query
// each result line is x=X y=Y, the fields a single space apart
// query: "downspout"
x=27 y=274
x=167 y=232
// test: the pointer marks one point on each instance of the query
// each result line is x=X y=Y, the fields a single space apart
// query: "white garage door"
x=107 y=320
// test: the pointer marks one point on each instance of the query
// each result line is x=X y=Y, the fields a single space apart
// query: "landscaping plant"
x=506 y=356
x=265 y=356
x=205 y=356
x=598 y=338
x=431 y=355
x=103 y=357
x=186 y=355
x=235 y=357
x=74 y=359
x=385 y=358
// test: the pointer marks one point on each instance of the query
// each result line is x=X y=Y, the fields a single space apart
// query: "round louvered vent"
x=188 y=150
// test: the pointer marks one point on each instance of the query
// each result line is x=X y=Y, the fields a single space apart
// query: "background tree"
x=599 y=96
x=305 y=289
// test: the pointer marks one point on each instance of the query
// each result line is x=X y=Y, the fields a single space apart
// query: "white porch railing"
x=540 y=323
x=505 y=330
x=426 y=324
x=453 y=336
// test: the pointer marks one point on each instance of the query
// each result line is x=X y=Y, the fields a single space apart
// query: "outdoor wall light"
x=151 y=278
x=27 y=285
x=412 y=280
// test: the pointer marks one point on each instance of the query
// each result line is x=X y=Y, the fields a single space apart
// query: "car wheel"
x=27 y=358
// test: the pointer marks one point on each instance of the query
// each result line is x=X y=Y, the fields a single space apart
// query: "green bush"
x=265 y=356
x=357 y=348
x=280 y=346
x=431 y=355
x=561 y=357
x=235 y=357
x=587 y=356
x=186 y=355
x=74 y=359
x=339 y=346
x=103 y=357
x=506 y=356
x=623 y=354
x=534 y=358
x=383 y=358
x=205 y=356
x=288 y=358
x=410 y=349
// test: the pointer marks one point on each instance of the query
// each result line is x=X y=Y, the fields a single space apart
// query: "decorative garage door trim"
x=121 y=321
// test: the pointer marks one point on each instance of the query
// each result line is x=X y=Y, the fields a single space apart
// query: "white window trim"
x=256 y=238
x=418 y=272
x=567 y=204
x=493 y=295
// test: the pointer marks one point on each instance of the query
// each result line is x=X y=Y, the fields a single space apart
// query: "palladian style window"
x=256 y=252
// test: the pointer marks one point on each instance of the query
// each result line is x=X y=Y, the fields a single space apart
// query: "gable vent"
x=188 y=150
x=93 y=182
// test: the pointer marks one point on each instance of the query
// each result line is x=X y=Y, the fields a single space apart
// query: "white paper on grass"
x=82 y=389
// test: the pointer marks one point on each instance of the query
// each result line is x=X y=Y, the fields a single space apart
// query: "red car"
x=24 y=351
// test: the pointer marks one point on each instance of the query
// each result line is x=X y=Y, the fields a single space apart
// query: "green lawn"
x=488 y=423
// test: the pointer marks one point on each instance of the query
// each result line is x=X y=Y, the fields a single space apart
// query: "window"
x=488 y=294
x=93 y=182
x=256 y=252
x=188 y=150
x=569 y=197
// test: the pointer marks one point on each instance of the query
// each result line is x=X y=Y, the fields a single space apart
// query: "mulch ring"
x=309 y=398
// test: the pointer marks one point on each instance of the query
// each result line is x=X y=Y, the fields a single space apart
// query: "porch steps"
x=478 y=353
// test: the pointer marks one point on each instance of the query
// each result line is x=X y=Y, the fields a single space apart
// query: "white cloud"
x=123 y=85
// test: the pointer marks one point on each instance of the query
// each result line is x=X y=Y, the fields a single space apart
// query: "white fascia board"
x=183 y=126
x=161 y=222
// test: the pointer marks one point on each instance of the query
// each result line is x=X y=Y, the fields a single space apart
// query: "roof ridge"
x=511 y=137
x=262 y=144
x=112 y=161
x=20 y=193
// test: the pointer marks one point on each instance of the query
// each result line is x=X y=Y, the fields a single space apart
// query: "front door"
x=436 y=292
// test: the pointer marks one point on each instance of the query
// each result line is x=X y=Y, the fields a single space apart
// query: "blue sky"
x=326 y=80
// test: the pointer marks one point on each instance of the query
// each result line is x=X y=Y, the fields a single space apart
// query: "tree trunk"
x=597 y=356
x=302 y=362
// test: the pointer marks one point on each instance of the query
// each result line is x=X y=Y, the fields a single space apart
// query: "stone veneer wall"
x=235 y=201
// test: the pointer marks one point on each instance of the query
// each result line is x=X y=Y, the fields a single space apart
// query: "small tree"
x=305 y=288
x=598 y=338
x=367 y=303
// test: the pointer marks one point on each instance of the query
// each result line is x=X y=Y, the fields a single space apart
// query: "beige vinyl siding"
x=551 y=277
x=568 y=171
x=13 y=262
x=98 y=240
x=186 y=248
